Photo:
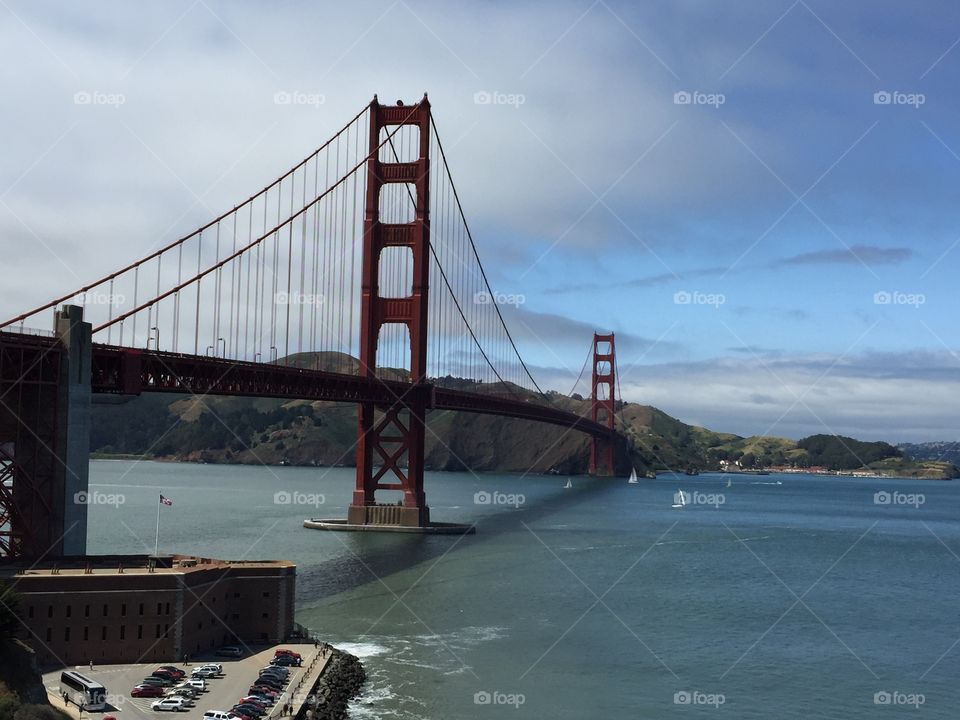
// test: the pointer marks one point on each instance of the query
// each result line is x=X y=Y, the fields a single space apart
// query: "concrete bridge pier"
x=72 y=474
x=45 y=392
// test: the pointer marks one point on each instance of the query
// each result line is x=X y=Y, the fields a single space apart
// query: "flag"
x=165 y=501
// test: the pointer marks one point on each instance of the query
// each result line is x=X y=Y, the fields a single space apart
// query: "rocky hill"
x=22 y=695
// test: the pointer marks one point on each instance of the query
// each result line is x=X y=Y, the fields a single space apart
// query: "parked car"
x=249 y=708
x=245 y=714
x=256 y=700
x=172 y=704
x=184 y=690
x=154 y=680
x=263 y=690
x=216 y=715
x=166 y=674
x=285 y=651
x=280 y=677
x=147 y=691
x=216 y=666
x=174 y=670
x=197 y=683
x=285 y=660
x=203 y=672
x=230 y=651
x=269 y=681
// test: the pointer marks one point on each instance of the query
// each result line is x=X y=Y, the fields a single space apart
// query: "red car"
x=147 y=691
x=284 y=651
x=172 y=670
x=253 y=701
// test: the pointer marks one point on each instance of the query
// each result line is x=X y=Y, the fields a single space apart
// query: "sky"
x=758 y=198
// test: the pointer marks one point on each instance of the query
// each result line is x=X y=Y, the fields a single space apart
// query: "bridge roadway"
x=128 y=371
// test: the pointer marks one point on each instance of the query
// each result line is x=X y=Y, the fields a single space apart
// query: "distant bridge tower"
x=602 y=450
x=392 y=446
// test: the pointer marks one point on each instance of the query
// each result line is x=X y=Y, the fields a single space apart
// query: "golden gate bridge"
x=353 y=277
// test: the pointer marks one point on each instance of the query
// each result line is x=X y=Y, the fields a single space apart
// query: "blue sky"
x=785 y=203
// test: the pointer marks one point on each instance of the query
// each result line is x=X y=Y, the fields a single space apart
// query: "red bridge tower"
x=602 y=449
x=390 y=447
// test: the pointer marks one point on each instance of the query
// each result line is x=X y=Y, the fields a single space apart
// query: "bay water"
x=777 y=596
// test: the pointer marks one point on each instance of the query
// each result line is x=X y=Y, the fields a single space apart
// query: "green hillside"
x=259 y=430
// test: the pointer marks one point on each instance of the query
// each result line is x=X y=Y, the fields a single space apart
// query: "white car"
x=176 y=704
x=183 y=689
x=216 y=666
x=196 y=683
x=204 y=672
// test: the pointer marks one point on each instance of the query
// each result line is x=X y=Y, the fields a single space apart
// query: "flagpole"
x=156 y=547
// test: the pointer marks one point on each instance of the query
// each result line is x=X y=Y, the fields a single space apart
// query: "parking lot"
x=222 y=692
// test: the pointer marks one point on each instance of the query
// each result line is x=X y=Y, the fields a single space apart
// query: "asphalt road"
x=222 y=692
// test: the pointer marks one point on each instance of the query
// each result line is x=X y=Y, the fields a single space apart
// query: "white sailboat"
x=679 y=499
x=633 y=477
x=569 y=484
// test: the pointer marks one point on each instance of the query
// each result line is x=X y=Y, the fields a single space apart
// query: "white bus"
x=82 y=691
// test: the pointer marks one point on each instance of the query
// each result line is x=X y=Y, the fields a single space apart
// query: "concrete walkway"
x=302 y=681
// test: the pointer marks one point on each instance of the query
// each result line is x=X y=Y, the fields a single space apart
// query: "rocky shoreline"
x=339 y=683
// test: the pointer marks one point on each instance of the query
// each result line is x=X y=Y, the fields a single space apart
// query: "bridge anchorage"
x=232 y=309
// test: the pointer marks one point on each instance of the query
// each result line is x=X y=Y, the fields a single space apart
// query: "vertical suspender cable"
x=216 y=301
x=110 y=316
x=196 y=322
x=246 y=313
x=286 y=334
x=176 y=300
x=136 y=284
x=352 y=244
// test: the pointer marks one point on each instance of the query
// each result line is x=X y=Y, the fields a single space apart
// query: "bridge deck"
x=128 y=371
